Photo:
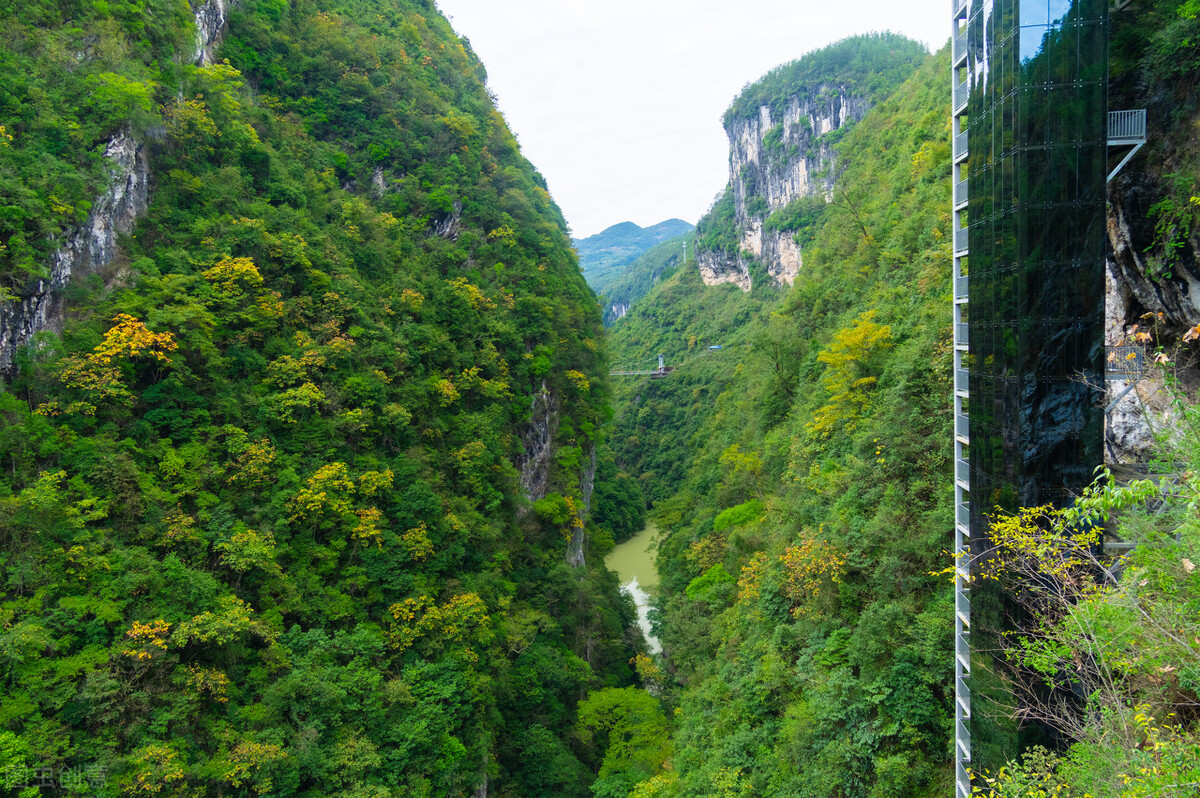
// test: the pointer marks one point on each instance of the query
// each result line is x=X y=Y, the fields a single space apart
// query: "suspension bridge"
x=662 y=370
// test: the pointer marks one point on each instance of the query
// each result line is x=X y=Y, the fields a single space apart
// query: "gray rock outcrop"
x=212 y=18
x=537 y=441
x=85 y=252
x=1138 y=285
x=776 y=157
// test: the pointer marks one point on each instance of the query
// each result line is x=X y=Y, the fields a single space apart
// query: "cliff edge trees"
x=798 y=477
x=262 y=525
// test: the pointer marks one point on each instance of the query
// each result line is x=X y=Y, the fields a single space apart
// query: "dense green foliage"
x=607 y=256
x=261 y=527
x=801 y=216
x=871 y=65
x=635 y=279
x=1109 y=658
x=799 y=477
x=717 y=230
x=803 y=491
x=660 y=422
x=73 y=75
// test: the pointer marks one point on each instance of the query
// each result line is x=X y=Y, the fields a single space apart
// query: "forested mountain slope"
x=799 y=476
x=607 y=258
x=602 y=255
x=801 y=482
x=295 y=503
x=657 y=263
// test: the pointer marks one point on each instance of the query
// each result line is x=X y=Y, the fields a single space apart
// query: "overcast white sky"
x=618 y=102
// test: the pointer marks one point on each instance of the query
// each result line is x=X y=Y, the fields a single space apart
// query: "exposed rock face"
x=1130 y=233
x=85 y=252
x=94 y=246
x=447 y=226
x=1143 y=406
x=777 y=158
x=717 y=268
x=212 y=17
x=587 y=481
x=1146 y=410
x=538 y=442
x=533 y=465
x=619 y=309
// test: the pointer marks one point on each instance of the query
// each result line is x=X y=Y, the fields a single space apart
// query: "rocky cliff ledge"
x=85 y=252
x=781 y=154
x=780 y=158
x=212 y=18
x=1152 y=291
x=93 y=246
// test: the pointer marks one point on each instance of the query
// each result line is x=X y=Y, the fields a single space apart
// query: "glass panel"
x=1093 y=51
x=1037 y=238
x=1061 y=250
x=1058 y=10
x=1033 y=167
x=1005 y=14
x=1060 y=46
x=1031 y=42
x=1034 y=12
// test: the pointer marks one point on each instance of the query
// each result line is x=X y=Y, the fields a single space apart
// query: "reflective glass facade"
x=1036 y=127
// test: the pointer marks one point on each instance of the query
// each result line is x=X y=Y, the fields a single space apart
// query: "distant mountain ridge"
x=601 y=256
x=628 y=284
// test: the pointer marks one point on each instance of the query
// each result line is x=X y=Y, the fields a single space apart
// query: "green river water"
x=635 y=558
x=633 y=561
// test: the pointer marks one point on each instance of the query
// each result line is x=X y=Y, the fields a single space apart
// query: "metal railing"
x=961 y=92
x=962 y=781
x=963 y=695
x=960 y=240
x=1124 y=362
x=961 y=286
x=1127 y=126
x=963 y=738
x=959 y=95
x=962 y=652
x=960 y=146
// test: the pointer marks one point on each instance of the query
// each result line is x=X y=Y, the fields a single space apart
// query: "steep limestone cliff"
x=212 y=18
x=718 y=268
x=537 y=441
x=782 y=130
x=775 y=158
x=780 y=157
x=86 y=251
x=535 y=461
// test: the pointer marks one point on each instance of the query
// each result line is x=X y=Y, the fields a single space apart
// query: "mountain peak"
x=621 y=244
